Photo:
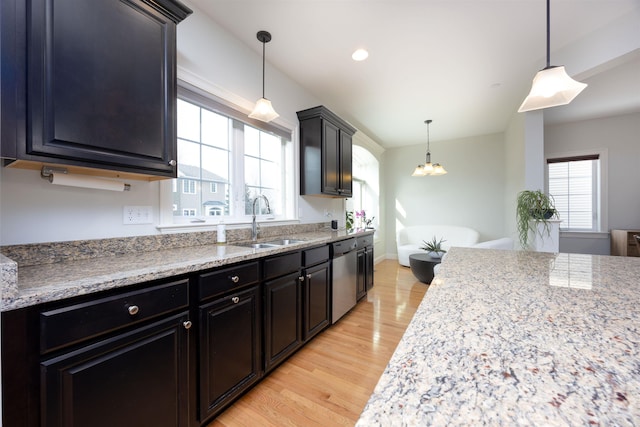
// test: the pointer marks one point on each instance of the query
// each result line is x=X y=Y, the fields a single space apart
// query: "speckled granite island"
x=507 y=338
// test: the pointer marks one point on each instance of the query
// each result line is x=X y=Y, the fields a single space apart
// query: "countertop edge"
x=13 y=297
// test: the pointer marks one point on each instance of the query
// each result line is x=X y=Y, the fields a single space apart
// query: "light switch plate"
x=137 y=215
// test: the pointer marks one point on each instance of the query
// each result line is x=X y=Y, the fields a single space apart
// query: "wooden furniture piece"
x=623 y=243
x=137 y=376
x=422 y=266
x=365 y=265
x=325 y=153
x=230 y=335
x=90 y=84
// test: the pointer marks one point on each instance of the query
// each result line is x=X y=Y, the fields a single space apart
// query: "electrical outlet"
x=137 y=215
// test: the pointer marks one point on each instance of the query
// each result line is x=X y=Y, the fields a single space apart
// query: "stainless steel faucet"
x=254 y=225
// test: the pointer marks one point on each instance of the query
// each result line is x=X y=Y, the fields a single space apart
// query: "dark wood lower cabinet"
x=317 y=306
x=283 y=327
x=132 y=358
x=133 y=379
x=369 y=262
x=230 y=349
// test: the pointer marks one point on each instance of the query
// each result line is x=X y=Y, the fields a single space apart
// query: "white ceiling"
x=465 y=64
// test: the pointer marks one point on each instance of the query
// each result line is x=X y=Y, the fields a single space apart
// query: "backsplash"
x=49 y=253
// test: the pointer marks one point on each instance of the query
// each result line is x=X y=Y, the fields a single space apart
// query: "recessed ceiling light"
x=360 y=55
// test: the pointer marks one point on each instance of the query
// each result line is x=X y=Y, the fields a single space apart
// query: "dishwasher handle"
x=344 y=247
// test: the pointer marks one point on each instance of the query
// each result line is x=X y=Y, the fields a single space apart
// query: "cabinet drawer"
x=281 y=264
x=227 y=279
x=315 y=255
x=68 y=325
x=365 y=241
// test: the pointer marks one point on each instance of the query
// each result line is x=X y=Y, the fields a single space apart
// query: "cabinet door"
x=317 y=307
x=101 y=86
x=132 y=379
x=361 y=287
x=283 y=318
x=230 y=356
x=369 y=262
x=346 y=164
x=330 y=158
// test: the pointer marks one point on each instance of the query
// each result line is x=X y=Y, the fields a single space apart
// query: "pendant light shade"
x=428 y=168
x=263 y=110
x=551 y=86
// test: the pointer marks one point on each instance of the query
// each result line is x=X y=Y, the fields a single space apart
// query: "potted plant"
x=349 y=220
x=434 y=247
x=534 y=207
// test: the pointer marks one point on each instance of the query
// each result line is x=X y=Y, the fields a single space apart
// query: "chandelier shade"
x=263 y=109
x=551 y=86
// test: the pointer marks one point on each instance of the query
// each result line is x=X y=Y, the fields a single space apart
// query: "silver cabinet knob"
x=172 y=163
x=309 y=276
x=187 y=324
x=301 y=278
x=235 y=279
x=235 y=300
x=133 y=310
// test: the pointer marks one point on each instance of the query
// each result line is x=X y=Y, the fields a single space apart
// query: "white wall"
x=472 y=193
x=620 y=136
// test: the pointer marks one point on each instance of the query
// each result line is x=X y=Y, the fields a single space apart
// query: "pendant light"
x=263 y=110
x=428 y=168
x=551 y=85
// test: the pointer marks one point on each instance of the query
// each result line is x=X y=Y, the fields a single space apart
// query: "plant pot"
x=436 y=255
x=546 y=214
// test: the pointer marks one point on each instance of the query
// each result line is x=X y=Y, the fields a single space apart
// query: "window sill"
x=585 y=234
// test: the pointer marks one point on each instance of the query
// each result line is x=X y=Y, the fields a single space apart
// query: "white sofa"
x=505 y=243
x=409 y=239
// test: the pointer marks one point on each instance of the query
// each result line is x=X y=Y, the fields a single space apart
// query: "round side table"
x=422 y=266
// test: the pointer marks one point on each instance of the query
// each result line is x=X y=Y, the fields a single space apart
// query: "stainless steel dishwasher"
x=344 y=277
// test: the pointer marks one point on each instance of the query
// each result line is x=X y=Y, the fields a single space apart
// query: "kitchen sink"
x=257 y=245
x=284 y=242
x=269 y=244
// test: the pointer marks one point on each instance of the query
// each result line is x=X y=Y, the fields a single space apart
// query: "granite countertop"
x=507 y=338
x=35 y=284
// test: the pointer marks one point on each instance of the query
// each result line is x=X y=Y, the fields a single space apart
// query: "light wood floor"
x=329 y=381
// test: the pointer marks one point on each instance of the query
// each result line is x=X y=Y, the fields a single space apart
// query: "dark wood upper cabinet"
x=325 y=153
x=91 y=83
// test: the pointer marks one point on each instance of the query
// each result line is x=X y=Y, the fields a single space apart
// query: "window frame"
x=216 y=103
x=602 y=224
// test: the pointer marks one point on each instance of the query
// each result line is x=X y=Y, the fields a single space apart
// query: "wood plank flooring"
x=329 y=381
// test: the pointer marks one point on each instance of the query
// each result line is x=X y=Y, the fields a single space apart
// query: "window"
x=189 y=186
x=575 y=183
x=226 y=159
x=365 y=185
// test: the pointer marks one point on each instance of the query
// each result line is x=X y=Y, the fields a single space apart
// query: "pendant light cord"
x=263 y=44
x=548 y=36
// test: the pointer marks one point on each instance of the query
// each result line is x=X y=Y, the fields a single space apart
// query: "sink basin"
x=284 y=242
x=258 y=245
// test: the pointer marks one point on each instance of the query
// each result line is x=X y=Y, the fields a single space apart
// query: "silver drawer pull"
x=301 y=278
x=172 y=163
x=187 y=324
x=133 y=310
x=235 y=300
x=235 y=279
x=309 y=276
